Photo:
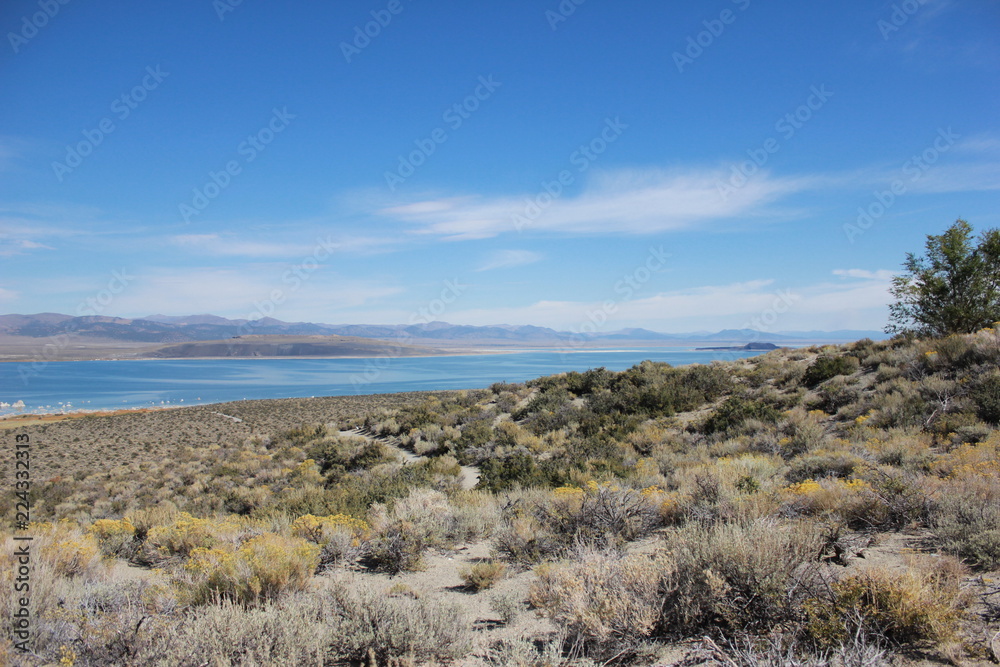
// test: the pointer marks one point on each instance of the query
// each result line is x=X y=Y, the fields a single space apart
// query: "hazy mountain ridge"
x=204 y=327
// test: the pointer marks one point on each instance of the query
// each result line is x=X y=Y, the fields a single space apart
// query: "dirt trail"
x=470 y=474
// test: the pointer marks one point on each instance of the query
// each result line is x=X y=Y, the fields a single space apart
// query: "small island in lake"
x=748 y=346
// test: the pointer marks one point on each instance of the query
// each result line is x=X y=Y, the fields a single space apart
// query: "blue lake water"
x=106 y=385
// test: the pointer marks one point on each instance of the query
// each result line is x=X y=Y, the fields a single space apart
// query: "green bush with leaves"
x=827 y=367
x=954 y=288
x=736 y=410
x=986 y=396
x=515 y=469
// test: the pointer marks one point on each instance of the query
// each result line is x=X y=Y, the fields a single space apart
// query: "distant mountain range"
x=181 y=329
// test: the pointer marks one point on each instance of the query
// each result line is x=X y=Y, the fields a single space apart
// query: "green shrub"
x=547 y=400
x=582 y=384
x=515 y=469
x=338 y=456
x=826 y=367
x=837 y=393
x=474 y=435
x=396 y=550
x=115 y=538
x=819 y=464
x=896 y=498
x=899 y=404
x=736 y=410
x=987 y=398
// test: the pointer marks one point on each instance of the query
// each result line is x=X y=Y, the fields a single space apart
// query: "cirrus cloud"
x=618 y=202
x=506 y=259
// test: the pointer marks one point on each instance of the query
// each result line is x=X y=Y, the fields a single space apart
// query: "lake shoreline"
x=63 y=387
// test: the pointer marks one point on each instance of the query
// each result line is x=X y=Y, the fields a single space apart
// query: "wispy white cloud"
x=231 y=246
x=26 y=226
x=882 y=274
x=15 y=246
x=857 y=301
x=247 y=292
x=968 y=165
x=961 y=177
x=980 y=143
x=619 y=202
x=505 y=259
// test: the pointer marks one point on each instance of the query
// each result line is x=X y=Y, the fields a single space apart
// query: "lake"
x=107 y=385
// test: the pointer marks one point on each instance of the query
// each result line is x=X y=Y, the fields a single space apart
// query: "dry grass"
x=919 y=605
x=482 y=576
x=654 y=505
x=601 y=601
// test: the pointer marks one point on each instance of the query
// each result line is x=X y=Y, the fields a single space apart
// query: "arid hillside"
x=823 y=506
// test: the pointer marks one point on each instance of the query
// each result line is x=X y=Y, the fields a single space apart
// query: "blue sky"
x=581 y=164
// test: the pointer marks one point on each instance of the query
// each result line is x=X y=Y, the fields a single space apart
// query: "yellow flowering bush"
x=114 y=536
x=260 y=570
x=307 y=471
x=66 y=549
x=188 y=533
x=982 y=460
x=320 y=529
x=667 y=503
x=568 y=499
x=848 y=499
x=74 y=556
